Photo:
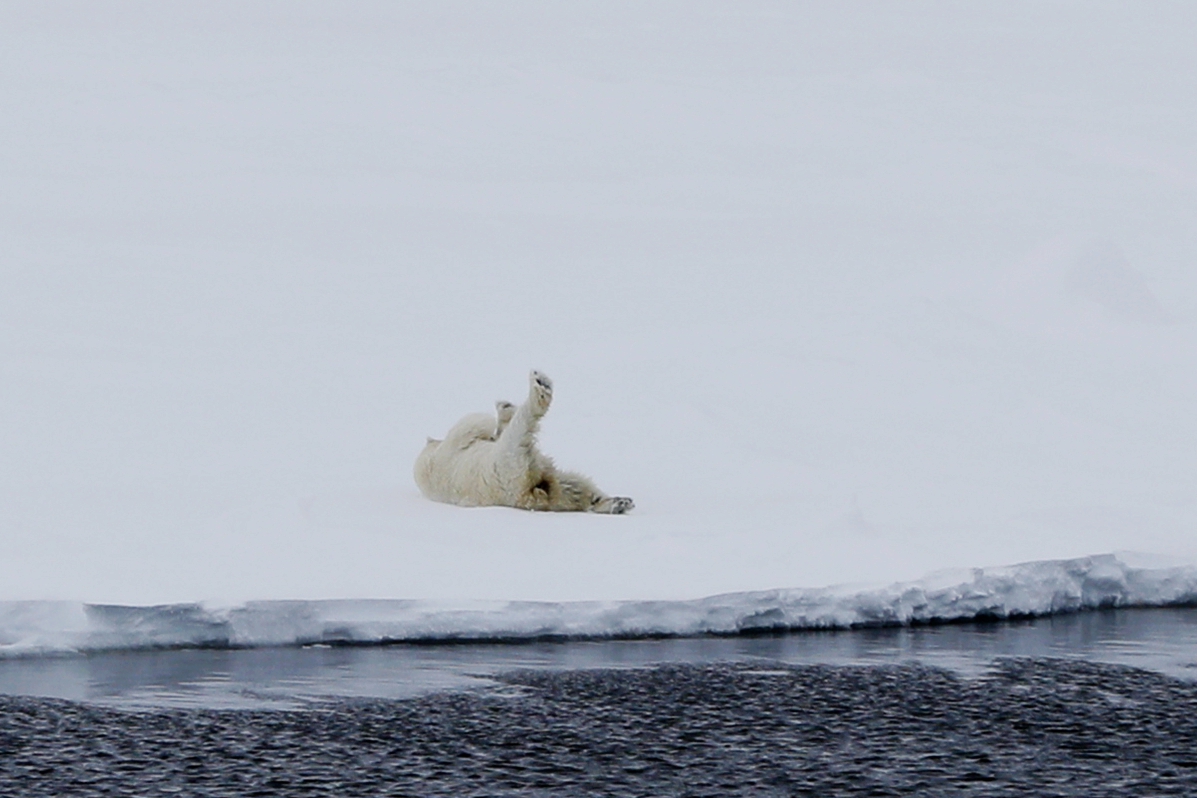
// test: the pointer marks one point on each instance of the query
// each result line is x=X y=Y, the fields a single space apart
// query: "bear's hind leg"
x=579 y=494
x=613 y=505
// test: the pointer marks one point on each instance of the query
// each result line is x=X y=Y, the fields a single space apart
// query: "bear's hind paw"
x=614 y=505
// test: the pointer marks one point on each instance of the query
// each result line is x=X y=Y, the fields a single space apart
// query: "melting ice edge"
x=31 y=628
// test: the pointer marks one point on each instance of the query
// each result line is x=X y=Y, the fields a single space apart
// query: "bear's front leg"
x=518 y=437
x=540 y=393
x=504 y=411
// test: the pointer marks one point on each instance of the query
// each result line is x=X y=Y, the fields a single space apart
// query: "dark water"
x=1027 y=727
x=1163 y=640
x=1098 y=704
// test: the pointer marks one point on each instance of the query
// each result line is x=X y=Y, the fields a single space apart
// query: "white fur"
x=493 y=460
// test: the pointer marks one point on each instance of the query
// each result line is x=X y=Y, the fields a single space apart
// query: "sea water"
x=295 y=677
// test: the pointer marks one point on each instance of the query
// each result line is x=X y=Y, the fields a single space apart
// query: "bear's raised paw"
x=540 y=392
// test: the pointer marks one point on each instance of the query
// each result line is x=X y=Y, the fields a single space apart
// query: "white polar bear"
x=493 y=460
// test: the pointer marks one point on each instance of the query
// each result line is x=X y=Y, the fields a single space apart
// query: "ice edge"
x=35 y=628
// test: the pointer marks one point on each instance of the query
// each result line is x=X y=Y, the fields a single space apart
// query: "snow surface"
x=837 y=292
x=1041 y=588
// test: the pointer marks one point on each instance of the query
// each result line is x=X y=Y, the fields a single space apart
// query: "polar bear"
x=493 y=460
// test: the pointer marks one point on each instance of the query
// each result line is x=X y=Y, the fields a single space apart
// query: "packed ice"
x=839 y=293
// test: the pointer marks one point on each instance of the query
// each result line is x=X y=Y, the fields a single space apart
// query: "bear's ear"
x=431 y=440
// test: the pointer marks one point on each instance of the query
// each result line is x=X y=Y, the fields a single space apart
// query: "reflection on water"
x=1163 y=640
